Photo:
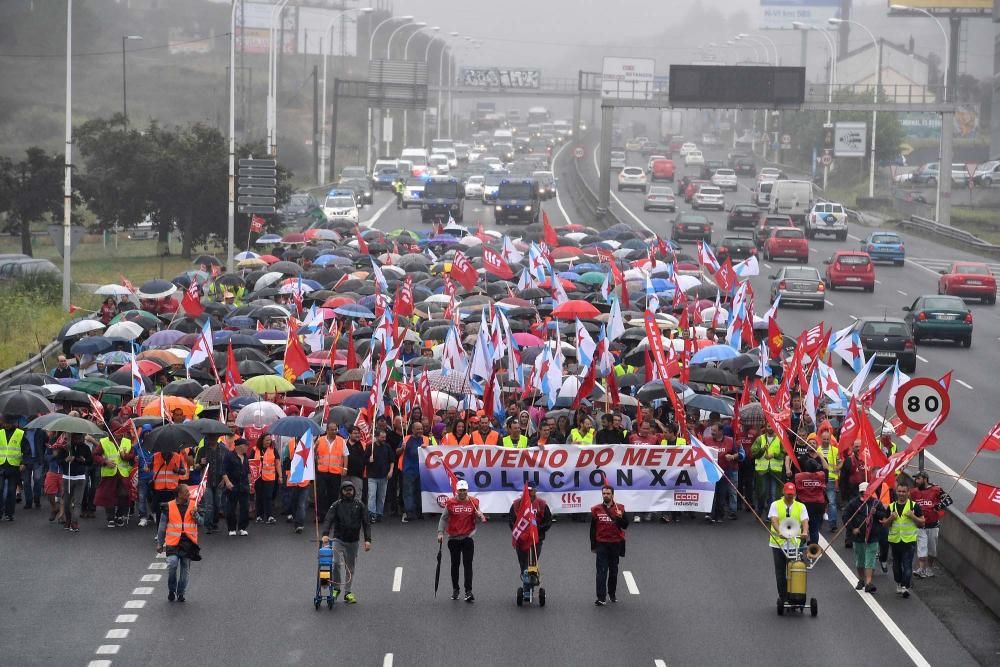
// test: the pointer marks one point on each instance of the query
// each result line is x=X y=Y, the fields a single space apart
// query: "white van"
x=761 y=194
x=448 y=153
x=417 y=157
x=503 y=137
x=791 y=198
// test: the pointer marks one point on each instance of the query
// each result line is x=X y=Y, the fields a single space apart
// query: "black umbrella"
x=710 y=375
x=71 y=397
x=437 y=569
x=37 y=379
x=207 y=260
x=655 y=389
x=20 y=403
x=251 y=368
x=171 y=438
x=209 y=427
x=185 y=388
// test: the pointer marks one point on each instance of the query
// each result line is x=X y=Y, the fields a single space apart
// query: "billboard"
x=326 y=31
x=850 y=139
x=253 y=21
x=779 y=14
x=628 y=78
x=700 y=86
x=500 y=77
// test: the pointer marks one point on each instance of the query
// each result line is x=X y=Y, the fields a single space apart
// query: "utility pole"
x=316 y=144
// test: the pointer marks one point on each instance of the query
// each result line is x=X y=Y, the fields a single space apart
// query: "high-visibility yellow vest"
x=10 y=450
x=903 y=529
x=522 y=442
x=578 y=438
x=623 y=369
x=774 y=464
x=113 y=454
x=833 y=459
x=797 y=511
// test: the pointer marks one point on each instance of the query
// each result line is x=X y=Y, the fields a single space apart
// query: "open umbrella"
x=126 y=330
x=183 y=388
x=156 y=289
x=72 y=397
x=66 y=424
x=575 y=308
x=213 y=394
x=714 y=353
x=92 y=345
x=708 y=403
x=269 y=384
x=22 y=403
x=710 y=375
x=171 y=438
x=209 y=427
x=81 y=327
x=294 y=427
x=259 y=415
x=169 y=404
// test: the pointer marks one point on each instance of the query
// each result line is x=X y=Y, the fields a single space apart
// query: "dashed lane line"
x=387 y=660
x=964 y=384
x=134 y=604
x=630 y=582
x=659 y=663
x=922 y=359
x=828 y=302
x=143 y=590
x=108 y=649
x=126 y=618
x=901 y=292
x=117 y=633
x=397 y=579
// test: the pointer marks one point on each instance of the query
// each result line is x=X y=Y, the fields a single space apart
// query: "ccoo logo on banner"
x=569 y=477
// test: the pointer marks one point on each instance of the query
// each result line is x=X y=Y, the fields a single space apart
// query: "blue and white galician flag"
x=303 y=460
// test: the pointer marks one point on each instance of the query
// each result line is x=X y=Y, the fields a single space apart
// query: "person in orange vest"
x=270 y=478
x=178 y=536
x=483 y=435
x=457 y=435
x=331 y=461
x=168 y=472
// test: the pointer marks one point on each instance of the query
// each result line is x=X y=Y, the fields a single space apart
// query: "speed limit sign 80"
x=921 y=400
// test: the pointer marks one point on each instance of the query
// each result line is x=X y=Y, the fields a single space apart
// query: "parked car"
x=827 y=218
x=850 y=268
x=27 y=267
x=940 y=317
x=969 y=280
x=787 y=243
x=890 y=339
x=659 y=198
x=300 y=205
x=691 y=226
x=798 y=284
x=885 y=246
x=929 y=173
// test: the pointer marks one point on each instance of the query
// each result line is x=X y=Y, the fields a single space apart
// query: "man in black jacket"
x=346 y=519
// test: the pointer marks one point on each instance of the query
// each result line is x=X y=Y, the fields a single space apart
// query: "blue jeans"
x=376 y=495
x=731 y=499
x=765 y=486
x=831 y=502
x=297 y=497
x=31 y=483
x=212 y=504
x=9 y=477
x=177 y=583
x=411 y=495
x=144 y=501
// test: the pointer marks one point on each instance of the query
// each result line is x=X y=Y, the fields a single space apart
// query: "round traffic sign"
x=827 y=160
x=578 y=152
x=921 y=400
x=786 y=138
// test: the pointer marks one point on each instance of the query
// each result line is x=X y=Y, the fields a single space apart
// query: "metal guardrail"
x=31 y=363
x=952 y=233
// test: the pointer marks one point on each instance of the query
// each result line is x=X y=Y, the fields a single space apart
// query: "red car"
x=787 y=243
x=969 y=280
x=662 y=170
x=850 y=268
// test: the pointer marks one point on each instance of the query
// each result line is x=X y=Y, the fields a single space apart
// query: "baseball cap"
x=462 y=484
x=862 y=487
x=532 y=484
x=789 y=487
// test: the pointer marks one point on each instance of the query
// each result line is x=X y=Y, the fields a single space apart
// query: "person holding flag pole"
x=529 y=519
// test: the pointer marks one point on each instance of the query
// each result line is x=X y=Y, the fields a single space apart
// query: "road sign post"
x=578 y=152
x=920 y=401
x=258 y=180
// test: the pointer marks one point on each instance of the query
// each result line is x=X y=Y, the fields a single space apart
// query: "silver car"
x=708 y=196
x=798 y=284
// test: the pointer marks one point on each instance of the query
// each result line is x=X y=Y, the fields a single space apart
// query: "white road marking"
x=558 y=199
x=813 y=250
x=370 y=222
x=630 y=582
x=853 y=317
x=397 y=579
x=387 y=660
x=117 y=633
x=963 y=383
x=126 y=618
x=890 y=625
x=766 y=265
x=108 y=649
x=878 y=282
x=143 y=590
x=616 y=198
x=659 y=663
x=134 y=604
x=828 y=302
x=99 y=663
x=161 y=554
x=157 y=566
x=151 y=577
x=901 y=292
x=922 y=359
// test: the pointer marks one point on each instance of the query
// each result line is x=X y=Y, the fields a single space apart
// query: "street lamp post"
x=441 y=85
x=125 y=38
x=878 y=84
x=947 y=96
x=767 y=39
x=68 y=157
x=272 y=73
x=231 y=217
x=388 y=56
x=324 y=150
x=831 y=47
x=427 y=54
x=371 y=48
x=767 y=57
x=406 y=56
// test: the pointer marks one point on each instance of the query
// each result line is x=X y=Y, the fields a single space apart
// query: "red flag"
x=851 y=426
x=678 y=407
x=73 y=309
x=494 y=263
x=548 y=233
x=587 y=385
x=986 y=501
x=647 y=369
x=233 y=376
x=296 y=363
x=869 y=445
x=96 y=406
x=605 y=255
x=362 y=245
x=489 y=397
x=725 y=277
x=925 y=437
x=127 y=284
x=452 y=477
x=945 y=381
x=463 y=271
x=775 y=341
x=424 y=393
x=481 y=233
x=611 y=385
x=991 y=443
x=404 y=298
x=256 y=224
x=191 y=302
x=439 y=229
x=525 y=532
x=352 y=355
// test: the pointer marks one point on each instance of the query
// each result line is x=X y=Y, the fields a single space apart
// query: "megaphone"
x=813 y=552
x=789 y=528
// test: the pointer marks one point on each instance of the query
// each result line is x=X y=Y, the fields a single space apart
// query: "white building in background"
x=905 y=74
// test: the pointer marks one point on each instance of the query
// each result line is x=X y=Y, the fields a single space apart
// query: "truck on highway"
x=442 y=198
x=517 y=200
x=539 y=115
x=791 y=198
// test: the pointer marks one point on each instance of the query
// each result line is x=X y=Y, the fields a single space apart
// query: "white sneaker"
x=143 y=522
x=637 y=519
x=928 y=572
x=243 y=533
x=232 y=533
x=899 y=589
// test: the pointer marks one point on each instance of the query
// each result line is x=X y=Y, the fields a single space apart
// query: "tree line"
x=177 y=177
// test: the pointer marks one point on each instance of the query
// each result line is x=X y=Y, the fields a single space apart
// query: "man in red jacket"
x=810 y=487
x=458 y=522
x=608 y=521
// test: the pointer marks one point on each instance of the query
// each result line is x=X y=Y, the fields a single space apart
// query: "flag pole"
x=961 y=475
